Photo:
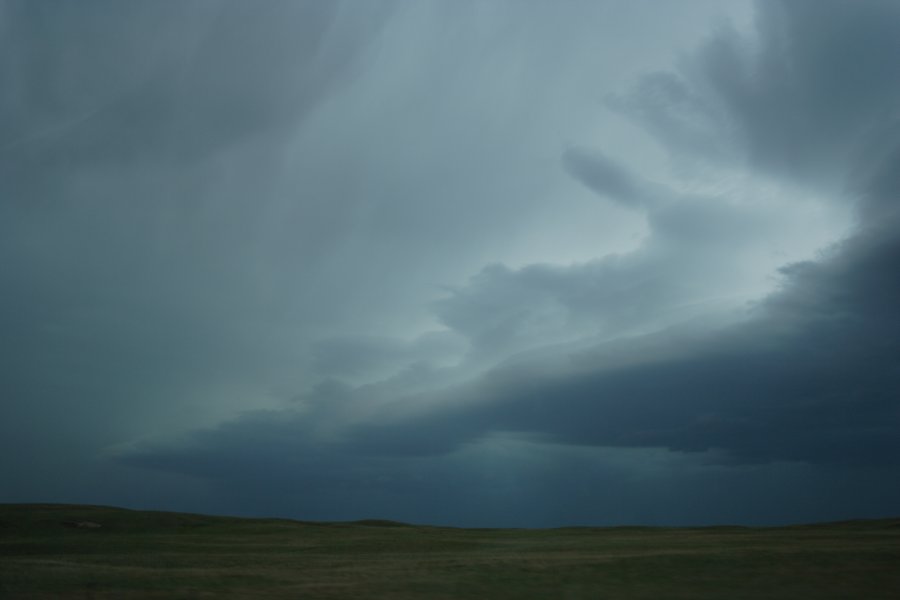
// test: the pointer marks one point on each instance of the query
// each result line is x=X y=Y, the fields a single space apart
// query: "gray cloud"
x=811 y=98
x=222 y=213
x=136 y=291
x=506 y=480
x=701 y=254
x=168 y=82
x=809 y=377
x=369 y=356
x=808 y=380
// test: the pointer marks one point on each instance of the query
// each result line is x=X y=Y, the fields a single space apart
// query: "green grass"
x=141 y=554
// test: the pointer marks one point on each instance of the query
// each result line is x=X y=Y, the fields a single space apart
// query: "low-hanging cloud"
x=810 y=377
x=645 y=372
x=800 y=380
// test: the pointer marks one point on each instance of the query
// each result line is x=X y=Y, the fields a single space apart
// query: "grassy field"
x=138 y=554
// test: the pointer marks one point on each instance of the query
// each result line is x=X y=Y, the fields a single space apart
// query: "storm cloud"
x=453 y=262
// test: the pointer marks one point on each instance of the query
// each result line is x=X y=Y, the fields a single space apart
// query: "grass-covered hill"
x=67 y=551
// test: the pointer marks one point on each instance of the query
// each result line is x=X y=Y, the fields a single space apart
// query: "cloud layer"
x=239 y=227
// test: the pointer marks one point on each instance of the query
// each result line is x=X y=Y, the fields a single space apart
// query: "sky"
x=509 y=263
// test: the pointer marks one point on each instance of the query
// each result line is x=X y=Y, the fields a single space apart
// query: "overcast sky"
x=467 y=262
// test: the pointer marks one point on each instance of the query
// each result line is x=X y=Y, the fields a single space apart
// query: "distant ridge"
x=16 y=516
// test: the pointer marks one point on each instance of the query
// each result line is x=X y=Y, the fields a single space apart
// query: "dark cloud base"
x=799 y=402
x=790 y=414
x=804 y=391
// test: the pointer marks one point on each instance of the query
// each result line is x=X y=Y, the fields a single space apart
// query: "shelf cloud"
x=453 y=262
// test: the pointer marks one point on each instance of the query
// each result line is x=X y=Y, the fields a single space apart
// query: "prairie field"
x=144 y=554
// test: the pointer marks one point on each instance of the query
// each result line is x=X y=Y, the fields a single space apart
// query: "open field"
x=137 y=554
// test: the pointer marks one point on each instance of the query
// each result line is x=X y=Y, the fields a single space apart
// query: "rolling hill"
x=72 y=551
